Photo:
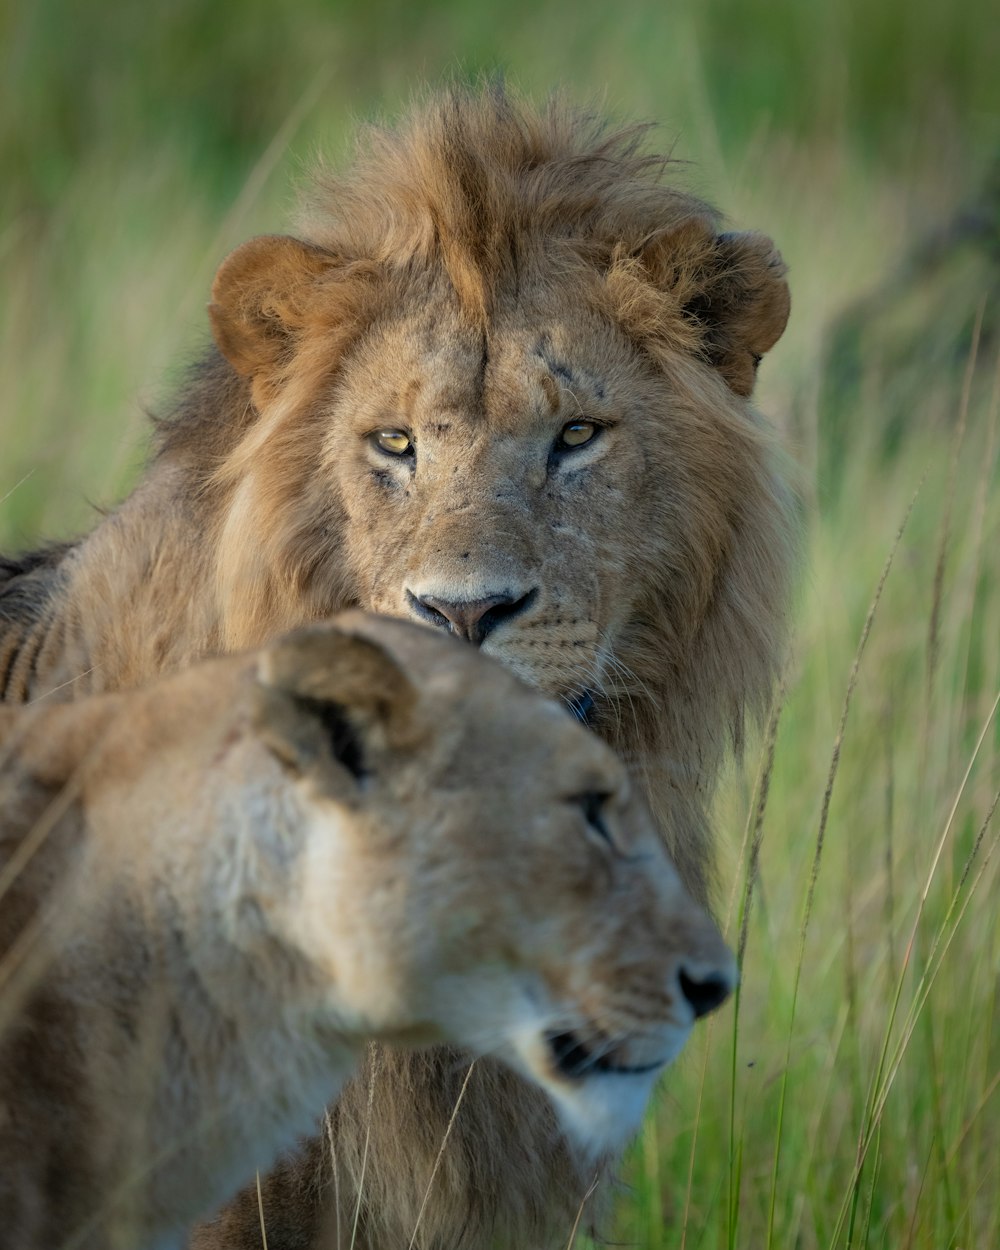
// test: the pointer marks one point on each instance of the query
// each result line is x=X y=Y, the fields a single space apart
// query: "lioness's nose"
x=471 y=619
x=706 y=991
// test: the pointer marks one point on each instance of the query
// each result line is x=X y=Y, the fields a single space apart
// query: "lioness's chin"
x=600 y=1099
x=602 y=1113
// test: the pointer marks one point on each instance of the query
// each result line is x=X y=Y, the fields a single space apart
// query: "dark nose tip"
x=471 y=619
x=705 y=993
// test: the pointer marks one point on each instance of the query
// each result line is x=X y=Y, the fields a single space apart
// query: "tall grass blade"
x=818 y=853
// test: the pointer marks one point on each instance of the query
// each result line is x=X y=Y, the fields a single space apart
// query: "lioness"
x=218 y=888
x=500 y=385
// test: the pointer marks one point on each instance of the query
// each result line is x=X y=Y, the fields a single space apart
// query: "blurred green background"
x=853 y=1099
x=138 y=142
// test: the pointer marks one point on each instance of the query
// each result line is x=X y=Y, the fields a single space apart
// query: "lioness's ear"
x=259 y=298
x=732 y=287
x=326 y=692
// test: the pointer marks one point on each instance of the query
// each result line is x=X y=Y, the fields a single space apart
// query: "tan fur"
x=481 y=277
x=219 y=888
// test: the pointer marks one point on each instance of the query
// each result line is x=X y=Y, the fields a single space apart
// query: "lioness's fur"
x=484 y=276
x=218 y=888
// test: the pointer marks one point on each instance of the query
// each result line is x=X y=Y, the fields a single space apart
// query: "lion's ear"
x=259 y=299
x=745 y=306
x=324 y=691
x=732 y=288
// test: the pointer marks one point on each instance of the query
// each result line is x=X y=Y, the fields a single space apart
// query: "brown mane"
x=478 y=182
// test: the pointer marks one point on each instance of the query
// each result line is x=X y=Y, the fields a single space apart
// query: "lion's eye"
x=395 y=442
x=576 y=433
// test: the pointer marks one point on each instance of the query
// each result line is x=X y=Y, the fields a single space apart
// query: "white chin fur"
x=602 y=1112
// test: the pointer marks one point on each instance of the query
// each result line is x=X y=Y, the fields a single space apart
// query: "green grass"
x=868 y=1021
x=852 y=1098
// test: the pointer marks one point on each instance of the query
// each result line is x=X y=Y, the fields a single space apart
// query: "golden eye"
x=395 y=442
x=576 y=433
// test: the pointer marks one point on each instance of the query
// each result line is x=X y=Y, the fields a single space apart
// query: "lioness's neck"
x=225 y=1042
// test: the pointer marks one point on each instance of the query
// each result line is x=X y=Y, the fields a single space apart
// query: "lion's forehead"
x=529 y=366
x=513 y=391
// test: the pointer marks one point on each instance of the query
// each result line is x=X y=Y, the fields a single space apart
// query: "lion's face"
x=503 y=487
x=537 y=487
x=480 y=870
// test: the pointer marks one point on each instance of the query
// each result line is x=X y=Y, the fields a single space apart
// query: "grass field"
x=852 y=1098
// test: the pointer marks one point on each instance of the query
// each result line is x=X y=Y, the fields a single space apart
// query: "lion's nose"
x=471 y=619
x=707 y=991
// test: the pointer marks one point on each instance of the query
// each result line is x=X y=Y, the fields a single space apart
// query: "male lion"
x=501 y=386
x=220 y=886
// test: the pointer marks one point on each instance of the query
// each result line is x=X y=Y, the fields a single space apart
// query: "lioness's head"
x=501 y=388
x=477 y=868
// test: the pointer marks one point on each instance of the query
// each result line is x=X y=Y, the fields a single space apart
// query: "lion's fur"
x=482 y=275
x=219 y=888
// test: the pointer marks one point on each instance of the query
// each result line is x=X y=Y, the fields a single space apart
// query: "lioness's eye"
x=576 y=433
x=395 y=442
x=593 y=810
